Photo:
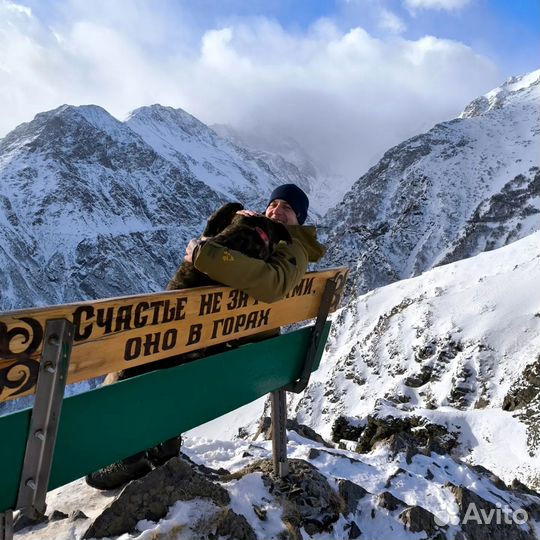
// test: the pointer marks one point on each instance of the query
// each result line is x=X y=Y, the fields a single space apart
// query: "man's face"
x=280 y=210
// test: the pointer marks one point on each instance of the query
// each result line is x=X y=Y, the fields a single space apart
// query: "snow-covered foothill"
x=452 y=346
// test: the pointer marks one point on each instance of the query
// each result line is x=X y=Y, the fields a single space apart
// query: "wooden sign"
x=117 y=333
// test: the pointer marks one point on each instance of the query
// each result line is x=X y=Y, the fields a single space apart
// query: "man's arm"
x=267 y=281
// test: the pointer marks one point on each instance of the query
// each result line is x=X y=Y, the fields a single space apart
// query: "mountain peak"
x=161 y=115
x=59 y=121
x=94 y=114
x=522 y=81
x=157 y=111
x=502 y=95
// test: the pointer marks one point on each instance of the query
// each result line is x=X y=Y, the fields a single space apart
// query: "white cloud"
x=346 y=96
x=390 y=21
x=447 y=5
x=18 y=9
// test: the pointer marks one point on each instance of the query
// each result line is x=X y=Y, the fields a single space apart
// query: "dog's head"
x=255 y=236
x=221 y=218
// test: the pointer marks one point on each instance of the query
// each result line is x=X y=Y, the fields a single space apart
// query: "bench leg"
x=38 y=458
x=6 y=525
x=279 y=433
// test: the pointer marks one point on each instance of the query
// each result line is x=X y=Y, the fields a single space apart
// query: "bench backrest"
x=113 y=334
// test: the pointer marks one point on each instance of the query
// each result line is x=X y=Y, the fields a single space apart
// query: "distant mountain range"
x=93 y=207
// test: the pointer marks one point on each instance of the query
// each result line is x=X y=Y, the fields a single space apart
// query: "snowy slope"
x=466 y=186
x=454 y=345
x=89 y=210
x=228 y=168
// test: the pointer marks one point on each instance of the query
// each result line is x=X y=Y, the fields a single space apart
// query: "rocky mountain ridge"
x=228 y=167
x=467 y=185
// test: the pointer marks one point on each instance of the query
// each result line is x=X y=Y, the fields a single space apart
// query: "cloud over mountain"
x=345 y=94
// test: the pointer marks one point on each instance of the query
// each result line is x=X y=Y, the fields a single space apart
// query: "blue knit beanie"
x=295 y=197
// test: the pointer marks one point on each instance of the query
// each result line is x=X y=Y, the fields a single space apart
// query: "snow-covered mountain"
x=466 y=186
x=226 y=166
x=325 y=187
x=89 y=210
x=91 y=207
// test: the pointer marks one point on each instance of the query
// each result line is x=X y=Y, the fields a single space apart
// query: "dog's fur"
x=231 y=230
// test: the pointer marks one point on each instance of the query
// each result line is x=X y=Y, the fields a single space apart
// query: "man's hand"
x=248 y=213
x=193 y=243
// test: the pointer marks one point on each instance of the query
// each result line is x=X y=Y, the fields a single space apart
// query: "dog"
x=255 y=236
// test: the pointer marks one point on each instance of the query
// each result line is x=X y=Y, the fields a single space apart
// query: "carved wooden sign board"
x=114 y=334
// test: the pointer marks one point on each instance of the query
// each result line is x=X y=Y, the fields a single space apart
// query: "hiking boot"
x=119 y=473
x=162 y=452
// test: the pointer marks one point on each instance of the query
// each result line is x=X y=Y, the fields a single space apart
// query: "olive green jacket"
x=266 y=281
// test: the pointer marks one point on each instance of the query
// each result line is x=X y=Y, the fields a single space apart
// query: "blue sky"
x=329 y=73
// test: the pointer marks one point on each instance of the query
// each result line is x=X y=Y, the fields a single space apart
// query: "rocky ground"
x=398 y=483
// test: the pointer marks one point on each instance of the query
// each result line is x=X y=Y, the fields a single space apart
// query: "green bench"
x=62 y=439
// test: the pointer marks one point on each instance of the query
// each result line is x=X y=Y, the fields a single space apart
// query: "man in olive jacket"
x=269 y=280
x=266 y=281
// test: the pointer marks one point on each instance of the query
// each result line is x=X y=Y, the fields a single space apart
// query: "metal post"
x=6 y=525
x=279 y=397
x=51 y=382
x=279 y=433
x=315 y=341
